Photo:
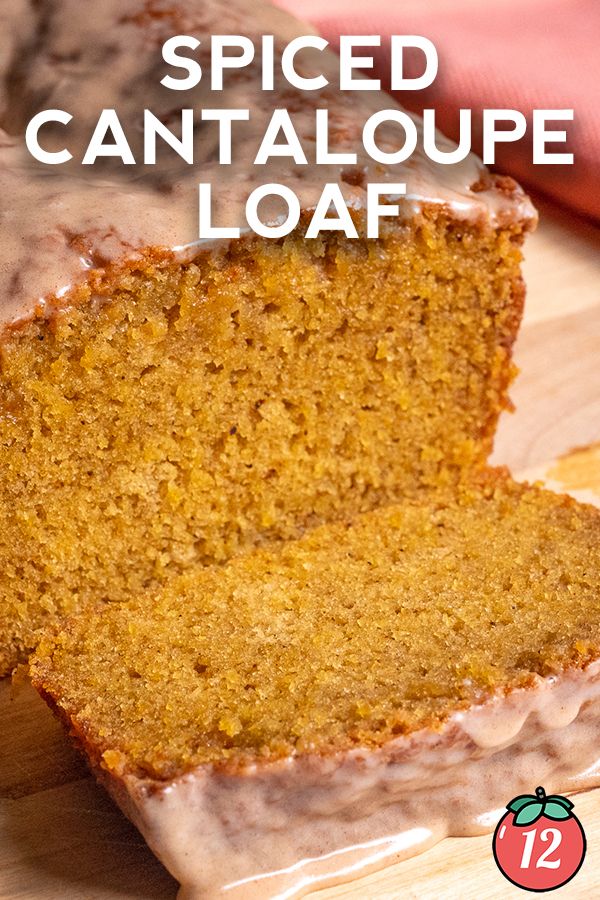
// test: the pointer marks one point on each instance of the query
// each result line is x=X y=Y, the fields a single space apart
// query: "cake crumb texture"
x=172 y=415
x=355 y=633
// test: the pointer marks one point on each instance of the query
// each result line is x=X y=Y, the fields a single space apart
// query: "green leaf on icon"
x=521 y=801
x=529 y=813
x=556 y=810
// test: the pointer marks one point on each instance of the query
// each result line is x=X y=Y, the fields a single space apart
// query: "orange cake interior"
x=176 y=414
x=358 y=631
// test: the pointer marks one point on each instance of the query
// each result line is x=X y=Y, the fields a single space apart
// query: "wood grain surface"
x=60 y=836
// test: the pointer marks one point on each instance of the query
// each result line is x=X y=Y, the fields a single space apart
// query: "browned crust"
x=450 y=734
x=509 y=371
x=102 y=280
x=81 y=729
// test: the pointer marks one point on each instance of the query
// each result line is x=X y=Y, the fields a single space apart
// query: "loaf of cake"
x=308 y=711
x=165 y=402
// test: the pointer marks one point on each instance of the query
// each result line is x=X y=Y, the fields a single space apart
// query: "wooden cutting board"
x=60 y=836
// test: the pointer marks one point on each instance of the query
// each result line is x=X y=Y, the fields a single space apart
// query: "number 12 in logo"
x=539 y=843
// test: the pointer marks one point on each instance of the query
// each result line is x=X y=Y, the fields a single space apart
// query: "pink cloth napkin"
x=515 y=54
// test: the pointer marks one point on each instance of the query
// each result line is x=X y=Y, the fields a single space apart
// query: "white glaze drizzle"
x=282 y=829
x=62 y=221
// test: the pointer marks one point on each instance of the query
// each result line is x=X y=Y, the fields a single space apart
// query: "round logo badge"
x=539 y=843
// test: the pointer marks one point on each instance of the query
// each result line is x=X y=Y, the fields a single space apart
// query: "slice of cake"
x=311 y=710
x=165 y=402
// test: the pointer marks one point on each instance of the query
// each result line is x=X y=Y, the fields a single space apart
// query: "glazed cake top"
x=59 y=222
